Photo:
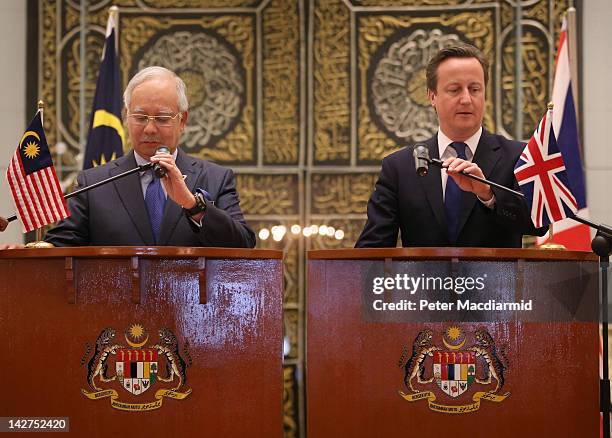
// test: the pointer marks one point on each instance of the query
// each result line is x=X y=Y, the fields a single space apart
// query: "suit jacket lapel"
x=487 y=155
x=173 y=211
x=129 y=190
x=432 y=184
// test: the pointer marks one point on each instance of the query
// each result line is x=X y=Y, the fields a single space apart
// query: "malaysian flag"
x=541 y=174
x=106 y=136
x=34 y=185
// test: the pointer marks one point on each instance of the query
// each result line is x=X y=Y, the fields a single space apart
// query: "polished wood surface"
x=141 y=251
x=224 y=305
x=446 y=253
x=355 y=366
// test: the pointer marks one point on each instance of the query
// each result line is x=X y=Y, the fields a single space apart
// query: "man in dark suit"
x=195 y=204
x=445 y=208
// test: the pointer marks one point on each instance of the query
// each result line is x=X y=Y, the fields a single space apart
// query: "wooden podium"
x=470 y=363
x=129 y=341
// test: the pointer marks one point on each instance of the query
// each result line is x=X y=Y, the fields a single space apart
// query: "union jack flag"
x=541 y=174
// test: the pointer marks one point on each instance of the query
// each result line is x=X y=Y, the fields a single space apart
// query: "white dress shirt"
x=445 y=151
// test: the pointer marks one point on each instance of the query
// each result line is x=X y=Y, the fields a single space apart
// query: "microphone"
x=422 y=162
x=421 y=159
x=158 y=170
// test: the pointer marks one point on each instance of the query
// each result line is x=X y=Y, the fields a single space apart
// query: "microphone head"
x=421 y=159
x=420 y=150
x=163 y=148
x=158 y=170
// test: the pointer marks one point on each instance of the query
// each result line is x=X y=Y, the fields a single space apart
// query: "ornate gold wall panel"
x=281 y=84
x=269 y=194
x=302 y=98
x=541 y=24
x=341 y=194
x=331 y=82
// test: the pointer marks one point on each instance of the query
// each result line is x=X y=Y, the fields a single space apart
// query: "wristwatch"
x=199 y=207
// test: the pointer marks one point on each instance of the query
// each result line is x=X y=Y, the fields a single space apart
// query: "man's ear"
x=432 y=97
x=184 y=117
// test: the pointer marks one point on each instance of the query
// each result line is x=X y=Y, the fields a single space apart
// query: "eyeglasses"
x=143 y=119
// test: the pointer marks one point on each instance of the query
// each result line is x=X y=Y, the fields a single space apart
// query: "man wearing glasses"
x=194 y=204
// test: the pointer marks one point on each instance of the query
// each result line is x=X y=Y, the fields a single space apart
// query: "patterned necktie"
x=155 y=199
x=452 y=197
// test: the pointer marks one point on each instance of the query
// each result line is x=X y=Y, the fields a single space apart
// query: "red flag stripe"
x=47 y=184
x=38 y=198
x=562 y=37
x=17 y=196
x=542 y=128
x=32 y=199
x=43 y=181
x=539 y=210
x=41 y=178
x=568 y=195
x=23 y=194
x=49 y=181
x=58 y=197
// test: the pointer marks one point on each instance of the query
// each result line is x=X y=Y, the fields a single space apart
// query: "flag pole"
x=573 y=57
x=41 y=107
x=550 y=243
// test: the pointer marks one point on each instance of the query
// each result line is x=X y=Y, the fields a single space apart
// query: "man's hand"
x=3 y=223
x=457 y=165
x=173 y=182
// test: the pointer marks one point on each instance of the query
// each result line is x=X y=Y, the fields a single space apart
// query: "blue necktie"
x=155 y=199
x=452 y=197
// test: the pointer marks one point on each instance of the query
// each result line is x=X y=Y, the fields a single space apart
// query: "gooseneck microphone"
x=421 y=159
x=159 y=170
x=422 y=162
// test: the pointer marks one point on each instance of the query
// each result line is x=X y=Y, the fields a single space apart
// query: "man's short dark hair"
x=459 y=50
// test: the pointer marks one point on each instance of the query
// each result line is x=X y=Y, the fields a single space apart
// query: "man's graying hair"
x=459 y=50
x=154 y=72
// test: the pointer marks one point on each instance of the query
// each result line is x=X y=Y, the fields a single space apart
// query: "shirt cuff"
x=195 y=223
x=490 y=203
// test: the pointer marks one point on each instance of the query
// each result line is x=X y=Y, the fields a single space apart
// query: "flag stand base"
x=39 y=244
x=553 y=246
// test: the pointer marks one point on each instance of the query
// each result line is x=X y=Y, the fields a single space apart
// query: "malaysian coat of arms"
x=445 y=375
x=125 y=373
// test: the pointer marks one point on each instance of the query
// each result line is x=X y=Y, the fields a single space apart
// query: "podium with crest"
x=461 y=341
x=162 y=340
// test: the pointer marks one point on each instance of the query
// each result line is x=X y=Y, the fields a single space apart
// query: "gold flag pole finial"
x=113 y=12
x=41 y=107
x=550 y=105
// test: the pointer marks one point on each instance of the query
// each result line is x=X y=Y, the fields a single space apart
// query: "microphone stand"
x=439 y=163
x=140 y=168
x=602 y=246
